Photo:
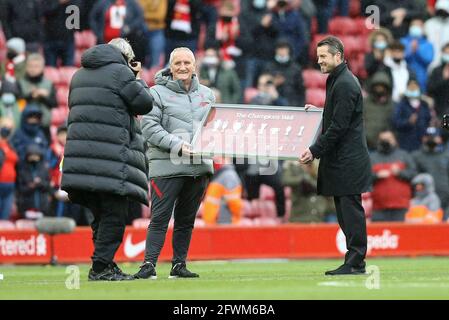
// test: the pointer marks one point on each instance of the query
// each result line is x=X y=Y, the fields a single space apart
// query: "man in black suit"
x=345 y=170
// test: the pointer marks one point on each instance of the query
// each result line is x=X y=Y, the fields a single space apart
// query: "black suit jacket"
x=345 y=167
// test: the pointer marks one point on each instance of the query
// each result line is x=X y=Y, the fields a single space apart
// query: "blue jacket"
x=420 y=60
x=27 y=135
x=409 y=136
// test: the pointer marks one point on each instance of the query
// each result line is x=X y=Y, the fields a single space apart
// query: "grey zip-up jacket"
x=175 y=117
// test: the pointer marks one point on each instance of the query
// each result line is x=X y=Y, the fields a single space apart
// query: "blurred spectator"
x=8 y=161
x=307 y=206
x=209 y=12
x=23 y=19
x=380 y=41
x=9 y=108
x=395 y=15
x=411 y=117
x=155 y=13
x=393 y=169
x=214 y=73
x=425 y=206
x=287 y=75
x=225 y=32
x=33 y=184
x=223 y=199
x=432 y=158
x=438 y=84
x=13 y=67
x=324 y=13
x=38 y=90
x=111 y=19
x=58 y=40
x=418 y=51
x=291 y=26
x=60 y=205
x=259 y=45
x=267 y=94
x=378 y=107
x=400 y=71
x=30 y=131
x=437 y=30
x=183 y=25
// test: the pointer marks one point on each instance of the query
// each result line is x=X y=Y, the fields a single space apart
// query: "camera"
x=445 y=123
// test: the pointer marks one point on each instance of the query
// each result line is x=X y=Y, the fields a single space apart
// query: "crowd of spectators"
x=249 y=51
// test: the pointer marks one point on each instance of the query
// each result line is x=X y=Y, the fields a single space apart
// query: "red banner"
x=227 y=242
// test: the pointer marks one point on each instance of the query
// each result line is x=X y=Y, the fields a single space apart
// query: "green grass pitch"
x=399 y=278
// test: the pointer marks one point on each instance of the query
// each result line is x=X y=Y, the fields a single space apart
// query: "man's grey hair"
x=172 y=54
x=124 y=47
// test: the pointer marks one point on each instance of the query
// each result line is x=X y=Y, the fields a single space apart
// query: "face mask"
x=11 y=54
x=442 y=13
x=5 y=132
x=381 y=45
x=385 y=147
x=397 y=60
x=259 y=4
x=282 y=59
x=8 y=99
x=35 y=79
x=431 y=144
x=32 y=128
x=210 y=61
x=282 y=4
x=416 y=31
x=445 y=58
x=412 y=93
x=226 y=19
x=380 y=96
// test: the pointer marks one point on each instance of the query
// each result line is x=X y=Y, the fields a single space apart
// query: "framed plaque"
x=257 y=131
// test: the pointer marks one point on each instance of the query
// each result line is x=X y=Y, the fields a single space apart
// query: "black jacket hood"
x=101 y=55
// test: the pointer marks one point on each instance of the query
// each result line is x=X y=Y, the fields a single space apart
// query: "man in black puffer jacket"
x=104 y=159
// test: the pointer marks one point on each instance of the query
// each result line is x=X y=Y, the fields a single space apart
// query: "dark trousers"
x=252 y=184
x=182 y=197
x=351 y=218
x=110 y=212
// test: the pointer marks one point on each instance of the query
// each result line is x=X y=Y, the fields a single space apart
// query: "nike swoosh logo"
x=132 y=250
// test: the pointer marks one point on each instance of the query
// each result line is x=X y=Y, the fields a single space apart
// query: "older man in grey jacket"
x=177 y=184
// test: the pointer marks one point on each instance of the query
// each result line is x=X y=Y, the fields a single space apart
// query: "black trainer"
x=111 y=273
x=346 y=269
x=147 y=271
x=179 y=270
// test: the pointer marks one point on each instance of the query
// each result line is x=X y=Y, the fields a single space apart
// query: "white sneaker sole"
x=173 y=277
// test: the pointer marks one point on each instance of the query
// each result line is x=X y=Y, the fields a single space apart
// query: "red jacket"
x=391 y=192
x=8 y=169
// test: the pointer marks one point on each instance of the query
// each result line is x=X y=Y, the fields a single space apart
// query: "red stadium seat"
x=314 y=79
x=78 y=54
x=59 y=115
x=317 y=97
x=7 y=225
x=266 y=192
x=85 y=39
x=52 y=74
x=62 y=96
x=362 y=28
x=149 y=74
x=66 y=74
x=342 y=26
x=352 y=46
x=250 y=93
